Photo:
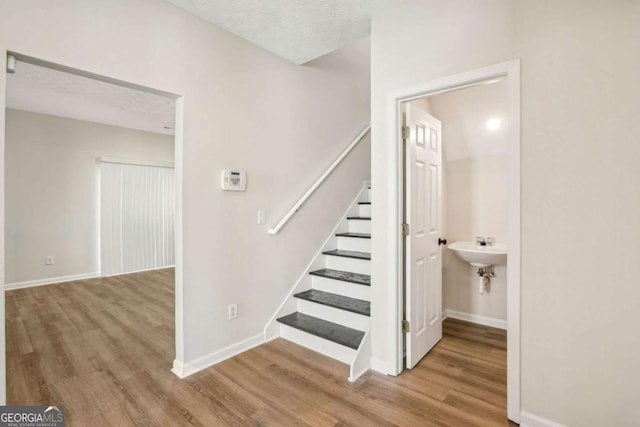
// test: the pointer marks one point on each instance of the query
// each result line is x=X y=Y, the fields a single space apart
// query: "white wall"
x=244 y=108
x=580 y=174
x=476 y=200
x=52 y=189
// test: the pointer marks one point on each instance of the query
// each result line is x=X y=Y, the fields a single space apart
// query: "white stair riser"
x=334 y=315
x=354 y=244
x=359 y=226
x=347 y=289
x=322 y=346
x=364 y=210
x=369 y=195
x=351 y=265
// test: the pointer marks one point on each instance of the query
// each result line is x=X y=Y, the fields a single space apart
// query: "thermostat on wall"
x=234 y=180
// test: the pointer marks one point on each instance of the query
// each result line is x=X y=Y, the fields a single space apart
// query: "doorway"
x=147 y=170
x=510 y=72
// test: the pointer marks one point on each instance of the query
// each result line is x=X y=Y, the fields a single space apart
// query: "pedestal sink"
x=480 y=256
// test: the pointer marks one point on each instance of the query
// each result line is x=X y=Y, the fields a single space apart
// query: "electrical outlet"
x=233 y=311
x=49 y=260
x=261 y=216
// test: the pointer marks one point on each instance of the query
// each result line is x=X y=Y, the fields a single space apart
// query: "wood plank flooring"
x=103 y=348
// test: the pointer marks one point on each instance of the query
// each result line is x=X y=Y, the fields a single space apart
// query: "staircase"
x=332 y=300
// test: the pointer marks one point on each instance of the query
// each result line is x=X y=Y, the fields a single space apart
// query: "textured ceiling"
x=298 y=30
x=57 y=93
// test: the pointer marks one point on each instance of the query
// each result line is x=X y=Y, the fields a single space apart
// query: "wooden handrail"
x=319 y=182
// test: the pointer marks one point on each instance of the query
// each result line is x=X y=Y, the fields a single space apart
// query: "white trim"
x=528 y=419
x=140 y=271
x=511 y=70
x=178 y=368
x=319 y=181
x=475 y=318
x=514 y=245
x=179 y=226
x=320 y=345
x=183 y=370
x=361 y=362
x=50 y=281
x=378 y=365
x=122 y=161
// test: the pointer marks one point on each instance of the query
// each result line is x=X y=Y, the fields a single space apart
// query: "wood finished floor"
x=103 y=348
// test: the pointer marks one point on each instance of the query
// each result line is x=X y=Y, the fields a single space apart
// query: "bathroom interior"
x=475 y=200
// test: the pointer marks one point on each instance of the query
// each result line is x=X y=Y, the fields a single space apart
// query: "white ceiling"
x=298 y=30
x=464 y=115
x=43 y=90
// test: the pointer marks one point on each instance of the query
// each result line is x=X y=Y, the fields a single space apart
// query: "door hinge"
x=406 y=229
x=405 y=326
x=406 y=132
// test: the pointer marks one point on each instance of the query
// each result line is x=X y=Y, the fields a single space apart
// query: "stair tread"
x=364 y=203
x=345 y=276
x=349 y=254
x=330 y=331
x=360 y=218
x=341 y=302
x=358 y=235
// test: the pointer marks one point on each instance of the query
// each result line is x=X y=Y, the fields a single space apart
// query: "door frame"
x=510 y=70
x=179 y=222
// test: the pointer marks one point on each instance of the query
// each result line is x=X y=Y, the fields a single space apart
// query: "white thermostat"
x=234 y=180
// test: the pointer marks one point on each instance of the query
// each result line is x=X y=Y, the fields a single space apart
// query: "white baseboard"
x=379 y=365
x=475 y=318
x=140 y=271
x=50 y=281
x=183 y=370
x=178 y=368
x=528 y=419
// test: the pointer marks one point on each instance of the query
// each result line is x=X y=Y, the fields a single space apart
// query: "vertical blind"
x=137 y=216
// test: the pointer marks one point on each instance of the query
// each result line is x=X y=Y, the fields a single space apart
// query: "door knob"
x=442 y=241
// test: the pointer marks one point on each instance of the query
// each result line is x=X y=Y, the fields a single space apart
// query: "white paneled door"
x=423 y=275
x=137 y=215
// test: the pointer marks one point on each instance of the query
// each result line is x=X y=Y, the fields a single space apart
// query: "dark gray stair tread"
x=358 y=235
x=321 y=328
x=364 y=203
x=349 y=254
x=337 y=301
x=360 y=218
x=345 y=276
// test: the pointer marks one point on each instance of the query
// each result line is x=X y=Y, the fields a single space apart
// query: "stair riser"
x=354 y=244
x=339 y=287
x=351 y=265
x=322 y=346
x=359 y=226
x=335 y=315
x=364 y=210
x=369 y=195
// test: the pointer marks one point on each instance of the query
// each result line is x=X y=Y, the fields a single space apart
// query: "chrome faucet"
x=484 y=241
